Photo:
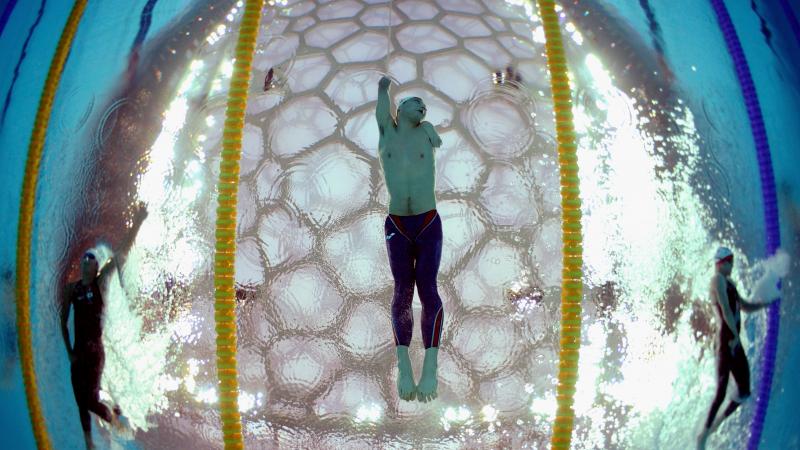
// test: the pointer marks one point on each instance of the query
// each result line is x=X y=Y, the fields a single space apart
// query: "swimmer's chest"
x=87 y=301
x=407 y=149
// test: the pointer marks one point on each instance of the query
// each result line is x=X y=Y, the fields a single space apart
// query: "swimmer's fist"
x=139 y=213
x=384 y=83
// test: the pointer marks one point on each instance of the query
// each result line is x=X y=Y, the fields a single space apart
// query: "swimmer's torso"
x=409 y=170
x=87 y=302
x=733 y=303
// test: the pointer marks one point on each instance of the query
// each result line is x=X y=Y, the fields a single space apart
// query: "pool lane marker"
x=25 y=227
x=572 y=240
x=771 y=218
x=225 y=254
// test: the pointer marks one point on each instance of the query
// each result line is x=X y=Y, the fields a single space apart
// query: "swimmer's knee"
x=741 y=398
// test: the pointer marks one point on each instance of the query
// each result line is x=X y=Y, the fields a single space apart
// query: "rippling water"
x=661 y=179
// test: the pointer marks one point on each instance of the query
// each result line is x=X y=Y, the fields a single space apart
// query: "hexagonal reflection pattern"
x=332 y=350
x=317 y=358
x=312 y=254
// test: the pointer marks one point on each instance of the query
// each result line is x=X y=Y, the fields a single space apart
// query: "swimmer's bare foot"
x=701 y=440
x=405 y=377
x=428 y=382
x=117 y=420
x=87 y=437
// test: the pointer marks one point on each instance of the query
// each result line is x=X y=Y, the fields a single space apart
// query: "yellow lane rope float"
x=25 y=228
x=572 y=284
x=225 y=256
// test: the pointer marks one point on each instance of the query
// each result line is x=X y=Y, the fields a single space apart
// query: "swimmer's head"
x=723 y=260
x=89 y=266
x=412 y=108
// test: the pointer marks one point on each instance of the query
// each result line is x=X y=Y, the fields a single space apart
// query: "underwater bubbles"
x=500 y=116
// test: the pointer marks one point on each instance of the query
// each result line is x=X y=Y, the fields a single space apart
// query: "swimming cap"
x=722 y=253
x=405 y=99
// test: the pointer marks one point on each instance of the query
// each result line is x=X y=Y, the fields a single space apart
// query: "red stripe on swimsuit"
x=398 y=222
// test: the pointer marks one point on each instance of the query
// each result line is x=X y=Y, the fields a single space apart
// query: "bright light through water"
x=313 y=284
x=632 y=220
x=368 y=413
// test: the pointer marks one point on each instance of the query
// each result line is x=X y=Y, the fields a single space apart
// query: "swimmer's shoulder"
x=433 y=136
x=718 y=282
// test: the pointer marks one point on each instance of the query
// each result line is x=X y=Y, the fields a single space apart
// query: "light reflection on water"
x=306 y=293
x=315 y=339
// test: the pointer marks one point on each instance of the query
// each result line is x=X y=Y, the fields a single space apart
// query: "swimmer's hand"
x=735 y=342
x=140 y=213
x=384 y=83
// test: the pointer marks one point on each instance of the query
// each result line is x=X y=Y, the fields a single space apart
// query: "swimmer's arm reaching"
x=66 y=295
x=382 y=111
x=114 y=261
x=722 y=298
x=750 y=306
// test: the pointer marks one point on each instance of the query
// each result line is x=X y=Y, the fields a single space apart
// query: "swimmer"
x=268 y=79
x=145 y=20
x=502 y=78
x=413 y=232
x=86 y=355
x=731 y=358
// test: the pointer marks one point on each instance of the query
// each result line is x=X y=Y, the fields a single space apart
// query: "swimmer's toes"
x=407 y=392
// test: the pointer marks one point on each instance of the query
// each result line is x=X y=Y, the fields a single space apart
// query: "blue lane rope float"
x=771 y=221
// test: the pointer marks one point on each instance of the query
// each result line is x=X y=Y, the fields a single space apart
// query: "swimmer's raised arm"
x=383 y=110
x=138 y=218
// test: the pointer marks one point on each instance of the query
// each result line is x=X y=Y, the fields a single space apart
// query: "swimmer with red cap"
x=731 y=358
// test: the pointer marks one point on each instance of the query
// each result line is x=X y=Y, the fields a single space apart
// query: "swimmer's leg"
x=82 y=391
x=741 y=373
x=94 y=371
x=723 y=369
x=91 y=366
x=429 y=255
x=401 y=262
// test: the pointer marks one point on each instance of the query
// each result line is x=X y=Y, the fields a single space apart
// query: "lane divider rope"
x=225 y=254
x=25 y=226
x=572 y=239
x=771 y=218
